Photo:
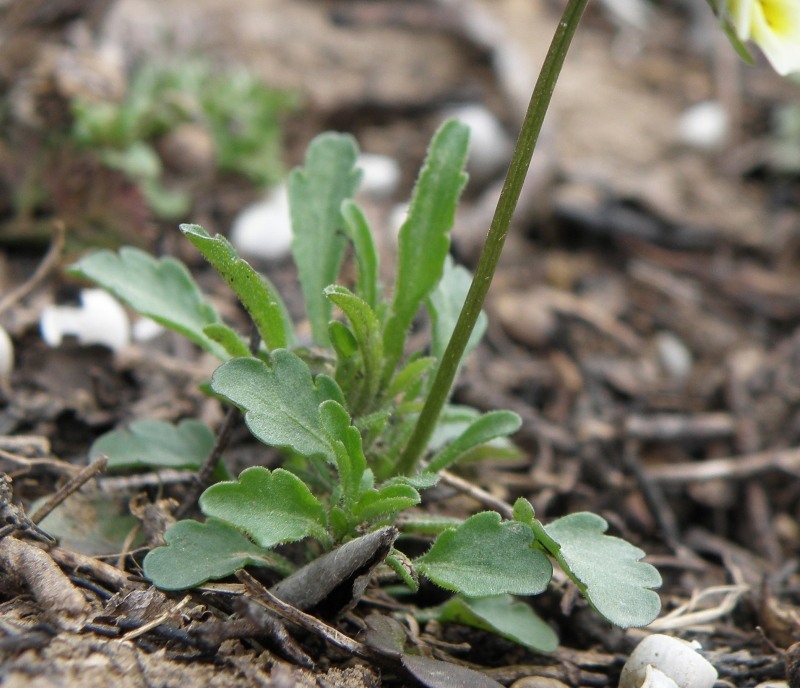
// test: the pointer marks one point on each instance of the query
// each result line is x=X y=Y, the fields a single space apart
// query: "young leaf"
x=444 y=305
x=607 y=569
x=487 y=427
x=228 y=339
x=357 y=228
x=376 y=504
x=155 y=443
x=503 y=616
x=197 y=552
x=466 y=559
x=404 y=568
x=410 y=376
x=316 y=193
x=345 y=440
x=367 y=331
x=160 y=289
x=256 y=293
x=281 y=401
x=272 y=508
x=424 y=240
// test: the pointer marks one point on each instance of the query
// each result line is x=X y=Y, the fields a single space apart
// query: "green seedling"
x=363 y=425
x=241 y=115
x=343 y=419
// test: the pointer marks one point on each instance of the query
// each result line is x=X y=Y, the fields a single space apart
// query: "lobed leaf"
x=272 y=508
x=316 y=193
x=424 y=241
x=345 y=440
x=155 y=443
x=607 y=569
x=503 y=616
x=466 y=559
x=280 y=399
x=159 y=289
x=386 y=502
x=256 y=293
x=198 y=552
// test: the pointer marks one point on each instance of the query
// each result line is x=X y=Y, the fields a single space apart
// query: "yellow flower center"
x=782 y=16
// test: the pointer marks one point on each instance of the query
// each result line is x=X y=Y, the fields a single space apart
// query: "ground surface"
x=644 y=325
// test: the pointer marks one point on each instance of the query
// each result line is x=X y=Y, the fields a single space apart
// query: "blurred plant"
x=239 y=113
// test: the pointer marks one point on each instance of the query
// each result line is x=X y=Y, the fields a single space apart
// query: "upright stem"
x=495 y=239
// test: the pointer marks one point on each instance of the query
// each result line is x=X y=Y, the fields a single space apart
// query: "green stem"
x=487 y=264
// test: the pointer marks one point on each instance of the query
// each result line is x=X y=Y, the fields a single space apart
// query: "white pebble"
x=381 y=175
x=490 y=146
x=6 y=354
x=675 y=659
x=264 y=229
x=100 y=319
x=397 y=217
x=704 y=125
x=145 y=329
x=673 y=355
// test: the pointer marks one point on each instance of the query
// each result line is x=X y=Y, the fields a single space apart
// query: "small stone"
x=6 y=354
x=264 y=229
x=381 y=175
x=100 y=319
x=538 y=682
x=188 y=150
x=527 y=317
x=490 y=146
x=673 y=355
x=704 y=125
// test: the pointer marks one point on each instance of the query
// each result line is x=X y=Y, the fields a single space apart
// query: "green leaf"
x=424 y=239
x=280 y=399
x=445 y=304
x=272 y=508
x=357 y=228
x=230 y=340
x=607 y=569
x=409 y=376
x=367 y=331
x=198 y=552
x=466 y=559
x=376 y=504
x=345 y=440
x=427 y=524
x=487 y=427
x=155 y=443
x=256 y=293
x=316 y=193
x=160 y=289
x=503 y=616
x=404 y=568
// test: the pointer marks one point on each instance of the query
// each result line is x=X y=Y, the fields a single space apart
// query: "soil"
x=643 y=324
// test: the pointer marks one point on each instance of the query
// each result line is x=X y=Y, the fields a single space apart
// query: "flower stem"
x=495 y=239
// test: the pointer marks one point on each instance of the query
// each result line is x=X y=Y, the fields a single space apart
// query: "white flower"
x=773 y=25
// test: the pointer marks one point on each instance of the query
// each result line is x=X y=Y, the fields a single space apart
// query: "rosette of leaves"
x=342 y=420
